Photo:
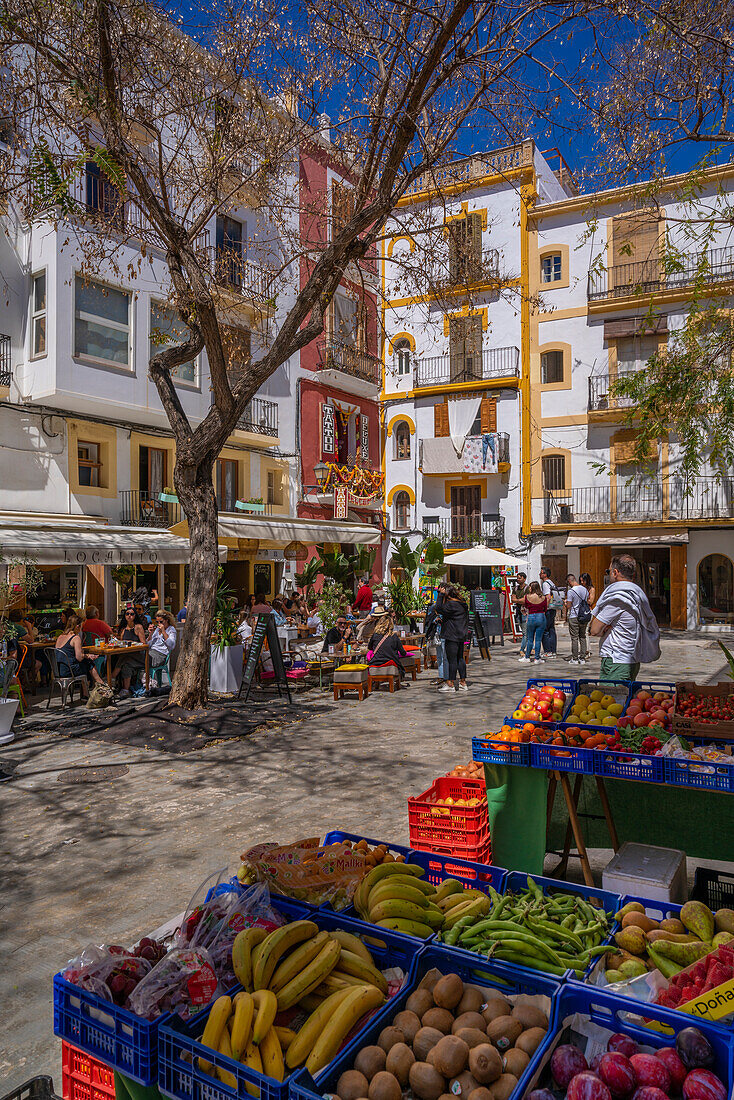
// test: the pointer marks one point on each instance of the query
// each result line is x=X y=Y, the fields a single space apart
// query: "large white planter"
x=8 y=708
x=225 y=668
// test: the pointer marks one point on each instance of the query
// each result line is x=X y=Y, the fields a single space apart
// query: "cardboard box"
x=722 y=731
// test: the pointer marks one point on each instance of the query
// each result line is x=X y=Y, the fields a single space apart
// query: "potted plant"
x=168 y=496
x=225 y=660
x=20 y=579
x=254 y=504
x=333 y=602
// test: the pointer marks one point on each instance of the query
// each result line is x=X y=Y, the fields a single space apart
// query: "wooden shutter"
x=636 y=238
x=457 y=353
x=624 y=447
x=489 y=414
x=474 y=246
x=342 y=206
x=678 y=588
x=236 y=345
x=440 y=420
x=473 y=348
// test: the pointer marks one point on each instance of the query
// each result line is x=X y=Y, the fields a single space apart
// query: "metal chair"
x=8 y=668
x=15 y=687
x=158 y=670
x=65 y=684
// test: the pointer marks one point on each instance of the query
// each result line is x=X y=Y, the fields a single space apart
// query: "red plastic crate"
x=84 y=1077
x=463 y=826
x=480 y=854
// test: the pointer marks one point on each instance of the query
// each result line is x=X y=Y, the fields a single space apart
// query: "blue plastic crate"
x=500 y=752
x=335 y=836
x=475 y=876
x=707 y=777
x=583 y=687
x=472 y=969
x=179 y=1073
x=622 y=764
x=562 y=758
x=612 y=1013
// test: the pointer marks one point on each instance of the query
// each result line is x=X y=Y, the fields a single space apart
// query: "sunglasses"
x=131 y=614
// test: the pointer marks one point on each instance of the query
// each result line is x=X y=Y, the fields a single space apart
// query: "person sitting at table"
x=70 y=656
x=244 y=629
x=162 y=638
x=142 y=614
x=340 y=635
x=66 y=613
x=181 y=617
x=94 y=625
x=131 y=629
x=386 y=648
x=279 y=612
x=313 y=620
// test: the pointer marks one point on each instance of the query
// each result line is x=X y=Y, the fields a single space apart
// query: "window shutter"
x=489 y=414
x=624 y=445
x=635 y=238
x=473 y=354
x=457 y=338
x=441 y=420
x=474 y=246
x=327 y=429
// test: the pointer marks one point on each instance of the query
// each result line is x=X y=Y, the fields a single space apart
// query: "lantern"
x=295 y=551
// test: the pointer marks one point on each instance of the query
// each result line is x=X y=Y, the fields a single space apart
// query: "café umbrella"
x=485 y=555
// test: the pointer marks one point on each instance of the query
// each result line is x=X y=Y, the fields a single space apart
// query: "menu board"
x=264 y=628
x=487 y=615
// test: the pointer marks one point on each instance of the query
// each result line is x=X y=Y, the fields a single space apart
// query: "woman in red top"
x=536 y=605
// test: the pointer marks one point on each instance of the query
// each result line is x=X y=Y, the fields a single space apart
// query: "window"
x=551 y=367
x=342 y=207
x=102 y=323
x=226 y=484
x=554 y=473
x=476 y=428
x=348 y=321
x=465 y=345
x=402 y=511
x=228 y=251
x=166 y=327
x=38 y=316
x=634 y=351
x=88 y=462
x=551 y=268
x=465 y=248
x=152 y=467
x=402 y=440
x=236 y=344
x=716 y=589
x=102 y=195
x=274 y=484
x=401 y=352
x=466 y=512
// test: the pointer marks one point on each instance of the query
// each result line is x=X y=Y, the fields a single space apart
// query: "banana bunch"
x=394 y=896
x=330 y=975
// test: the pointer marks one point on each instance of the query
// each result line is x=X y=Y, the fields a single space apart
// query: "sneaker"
x=573 y=661
x=538 y=661
x=446 y=688
x=463 y=687
x=524 y=661
x=124 y=694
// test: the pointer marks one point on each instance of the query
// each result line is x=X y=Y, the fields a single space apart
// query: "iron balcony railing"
x=5 y=368
x=232 y=270
x=260 y=416
x=461 y=532
x=139 y=508
x=599 y=396
x=437 y=370
x=642 y=499
x=465 y=268
x=714 y=265
x=475 y=167
x=341 y=356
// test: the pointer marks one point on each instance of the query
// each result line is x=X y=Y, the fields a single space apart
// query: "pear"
x=630 y=907
x=685 y=954
x=631 y=939
x=722 y=938
x=724 y=920
x=674 y=937
x=698 y=919
x=672 y=924
x=614 y=976
x=667 y=967
x=633 y=968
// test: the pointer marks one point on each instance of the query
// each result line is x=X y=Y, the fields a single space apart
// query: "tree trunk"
x=196 y=495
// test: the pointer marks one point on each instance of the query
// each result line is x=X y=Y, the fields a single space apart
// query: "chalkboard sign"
x=487 y=615
x=264 y=628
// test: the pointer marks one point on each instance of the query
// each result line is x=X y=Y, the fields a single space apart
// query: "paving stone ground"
x=113 y=856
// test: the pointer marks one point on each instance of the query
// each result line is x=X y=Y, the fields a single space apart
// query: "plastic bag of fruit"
x=109 y=971
x=306 y=871
x=184 y=982
x=244 y=908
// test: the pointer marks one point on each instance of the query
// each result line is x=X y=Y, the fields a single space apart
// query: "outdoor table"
x=30 y=667
x=110 y=651
x=287 y=634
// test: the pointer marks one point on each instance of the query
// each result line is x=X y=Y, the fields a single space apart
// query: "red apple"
x=642 y=719
x=544 y=706
x=650 y=704
x=643 y=695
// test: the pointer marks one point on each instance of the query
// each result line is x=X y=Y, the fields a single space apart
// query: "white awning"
x=296 y=529
x=72 y=542
x=665 y=538
x=484 y=555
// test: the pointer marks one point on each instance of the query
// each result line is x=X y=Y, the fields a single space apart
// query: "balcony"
x=457 y=272
x=260 y=416
x=657 y=499
x=657 y=276
x=353 y=361
x=474 y=168
x=243 y=279
x=440 y=370
x=6 y=373
x=139 y=508
x=601 y=400
x=462 y=532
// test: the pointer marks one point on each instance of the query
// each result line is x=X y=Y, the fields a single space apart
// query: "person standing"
x=536 y=605
x=454 y=615
x=518 y=598
x=181 y=617
x=553 y=596
x=363 y=602
x=578 y=615
x=624 y=622
x=432 y=628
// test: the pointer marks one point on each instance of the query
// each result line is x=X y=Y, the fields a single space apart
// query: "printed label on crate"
x=716 y=1004
x=202 y=985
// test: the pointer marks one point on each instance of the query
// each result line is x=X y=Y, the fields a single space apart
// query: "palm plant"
x=433 y=563
x=403 y=599
x=406 y=559
x=225 y=619
x=308 y=576
x=335 y=565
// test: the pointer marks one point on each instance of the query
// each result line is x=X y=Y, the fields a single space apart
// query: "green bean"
x=552 y=930
x=534 y=964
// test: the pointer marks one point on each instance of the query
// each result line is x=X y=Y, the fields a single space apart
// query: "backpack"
x=584 y=612
x=556 y=602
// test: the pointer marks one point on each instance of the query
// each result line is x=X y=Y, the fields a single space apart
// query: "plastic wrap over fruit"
x=109 y=971
x=307 y=871
x=184 y=982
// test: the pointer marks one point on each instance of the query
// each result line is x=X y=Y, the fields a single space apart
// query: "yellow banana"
x=242 y=954
x=433 y=916
x=298 y=959
x=275 y=945
x=410 y=927
x=450 y=902
x=272 y=1056
x=285 y=1036
x=253 y=1060
x=479 y=907
x=216 y=1023
x=426 y=888
x=312 y=976
x=300 y=1048
x=394 y=888
x=332 y=982
x=244 y=1010
x=266 y=1004
x=396 y=908
x=356 y=1003
x=387 y=870
x=225 y=1049
x=368 y=972
x=311 y=1002
x=448 y=887
x=351 y=943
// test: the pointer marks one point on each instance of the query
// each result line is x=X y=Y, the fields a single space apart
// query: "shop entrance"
x=661 y=573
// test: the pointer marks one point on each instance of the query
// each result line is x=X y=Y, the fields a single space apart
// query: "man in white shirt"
x=624 y=621
x=314 y=621
x=550 y=640
x=575 y=593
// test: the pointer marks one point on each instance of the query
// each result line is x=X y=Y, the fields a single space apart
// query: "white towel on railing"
x=462 y=415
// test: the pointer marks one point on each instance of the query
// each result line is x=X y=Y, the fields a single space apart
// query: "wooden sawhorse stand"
x=574 y=825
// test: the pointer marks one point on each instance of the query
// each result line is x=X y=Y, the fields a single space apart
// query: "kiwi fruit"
x=496 y=1006
x=409 y=1024
x=369 y=1061
x=529 y=1016
x=389 y=1036
x=515 y=1062
x=352 y=1085
x=448 y=991
x=472 y=1036
x=485 y=1064
x=424 y=1041
x=504 y=1086
x=384 y=1086
x=450 y=1056
x=399 y=1060
x=530 y=1040
x=472 y=1000
x=481 y=1094
x=419 y=1002
x=430 y=981
x=503 y=1032
x=464 y=1084
x=425 y=1081
x=440 y=1018
x=469 y=1019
